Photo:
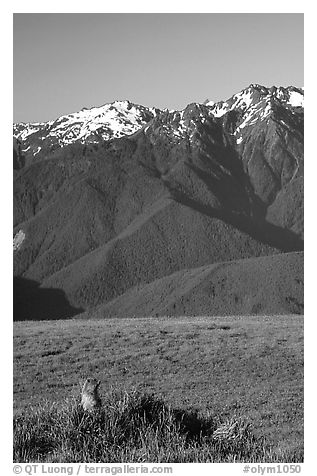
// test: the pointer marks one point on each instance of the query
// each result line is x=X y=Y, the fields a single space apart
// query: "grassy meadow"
x=167 y=384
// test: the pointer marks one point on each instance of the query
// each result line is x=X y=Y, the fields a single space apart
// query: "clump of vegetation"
x=133 y=427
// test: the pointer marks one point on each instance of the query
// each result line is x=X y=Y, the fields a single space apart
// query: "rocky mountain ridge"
x=120 y=118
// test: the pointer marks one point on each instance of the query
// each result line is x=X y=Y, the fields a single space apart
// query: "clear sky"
x=64 y=62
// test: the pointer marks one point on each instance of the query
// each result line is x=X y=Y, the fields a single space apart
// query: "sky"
x=66 y=61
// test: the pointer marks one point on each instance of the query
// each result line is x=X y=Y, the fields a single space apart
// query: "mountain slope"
x=265 y=285
x=158 y=243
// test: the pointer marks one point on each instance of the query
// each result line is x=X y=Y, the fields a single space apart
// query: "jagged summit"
x=239 y=114
x=110 y=121
x=123 y=118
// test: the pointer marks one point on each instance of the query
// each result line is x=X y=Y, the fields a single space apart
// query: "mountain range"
x=123 y=210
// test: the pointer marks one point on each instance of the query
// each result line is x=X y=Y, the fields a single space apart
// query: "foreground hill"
x=270 y=284
x=163 y=192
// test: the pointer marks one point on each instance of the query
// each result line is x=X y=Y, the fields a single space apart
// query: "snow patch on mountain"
x=220 y=109
x=296 y=99
x=18 y=239
x=22 y=130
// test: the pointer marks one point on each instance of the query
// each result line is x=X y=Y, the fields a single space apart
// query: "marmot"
x=90 y=398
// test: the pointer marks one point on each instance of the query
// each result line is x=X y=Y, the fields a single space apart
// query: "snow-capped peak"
x=251 y=106
x=296 y=99
x=254 y=94
x=255 y=103
x=112 y=120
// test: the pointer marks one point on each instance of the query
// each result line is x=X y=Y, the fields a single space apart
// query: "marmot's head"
x=91 y=385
